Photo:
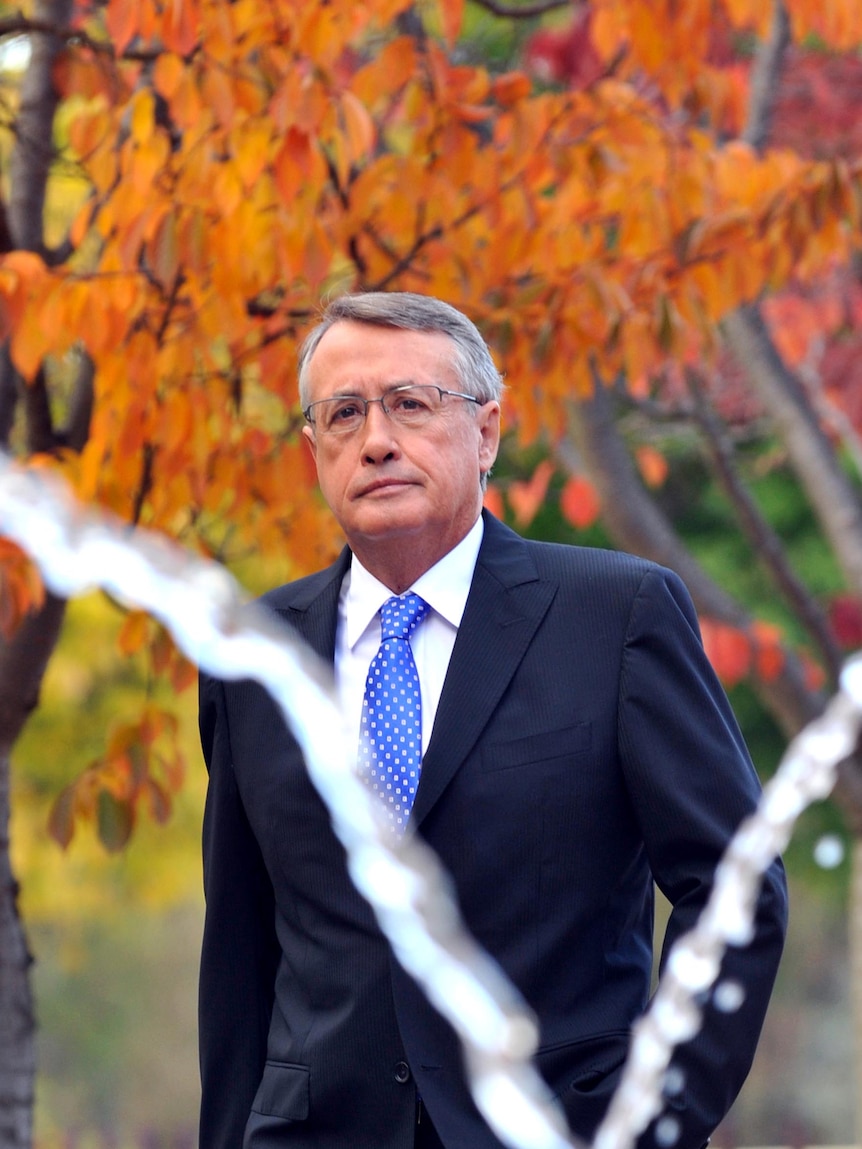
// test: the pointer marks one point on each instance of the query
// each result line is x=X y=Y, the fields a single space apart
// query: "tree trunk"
x=33 y=152
x=22 y=666
x=17 y=1024
x=855 y=918
x=23 y=658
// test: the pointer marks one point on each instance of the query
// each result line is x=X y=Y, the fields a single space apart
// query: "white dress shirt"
x=444 y=587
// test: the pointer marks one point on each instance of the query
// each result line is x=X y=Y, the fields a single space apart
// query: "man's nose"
x=379 y=440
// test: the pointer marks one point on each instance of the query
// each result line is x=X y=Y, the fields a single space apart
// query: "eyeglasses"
x=412 y=405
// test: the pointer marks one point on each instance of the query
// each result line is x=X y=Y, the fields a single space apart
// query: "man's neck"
x=399 y=563
x=397 y=571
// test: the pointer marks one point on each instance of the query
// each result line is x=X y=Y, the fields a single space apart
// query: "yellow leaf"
x=146 y=163
x=142 y=116
x=28 y=347
x=134 y=631
x=226 y=189
x=252 y=144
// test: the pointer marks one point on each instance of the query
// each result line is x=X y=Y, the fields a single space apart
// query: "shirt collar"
x=444 y=587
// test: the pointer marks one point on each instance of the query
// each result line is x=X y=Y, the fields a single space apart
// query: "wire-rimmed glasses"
x=410 y=405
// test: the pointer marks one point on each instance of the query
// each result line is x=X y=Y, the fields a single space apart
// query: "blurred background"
x=653 y=211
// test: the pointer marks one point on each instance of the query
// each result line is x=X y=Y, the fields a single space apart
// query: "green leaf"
x=115 y=820
x=61 y=820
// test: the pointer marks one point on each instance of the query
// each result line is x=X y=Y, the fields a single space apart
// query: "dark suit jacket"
x=582 y=749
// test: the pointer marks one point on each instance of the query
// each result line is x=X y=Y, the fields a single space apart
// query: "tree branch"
x=522 y=11
x=635 y=522
x=41 y=437
x=765 y=75
x=811 y=452
x=60 y=30
x=33 y=151
x=8 y=396
x=76 y=431
x=765 y=542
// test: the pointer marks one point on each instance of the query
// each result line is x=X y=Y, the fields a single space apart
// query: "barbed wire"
x=79 y=549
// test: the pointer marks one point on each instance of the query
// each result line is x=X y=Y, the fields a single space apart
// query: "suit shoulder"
x=593 y=563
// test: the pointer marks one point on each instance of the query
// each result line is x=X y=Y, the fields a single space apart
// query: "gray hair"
x=471 y=359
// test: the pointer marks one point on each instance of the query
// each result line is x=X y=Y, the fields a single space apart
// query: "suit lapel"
x=312 y=609
x=506 y=604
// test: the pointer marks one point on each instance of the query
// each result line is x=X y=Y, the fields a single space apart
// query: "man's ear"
x=489 y=429
x=308 y=435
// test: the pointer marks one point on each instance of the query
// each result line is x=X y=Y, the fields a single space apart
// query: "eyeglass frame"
x=364 y=403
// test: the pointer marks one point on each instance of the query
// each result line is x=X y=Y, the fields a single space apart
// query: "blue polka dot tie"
x=390 y=743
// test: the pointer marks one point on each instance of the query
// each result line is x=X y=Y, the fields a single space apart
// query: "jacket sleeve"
x=692 y=783
x=240 y=952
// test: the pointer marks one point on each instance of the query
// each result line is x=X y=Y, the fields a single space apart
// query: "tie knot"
x=399 y=616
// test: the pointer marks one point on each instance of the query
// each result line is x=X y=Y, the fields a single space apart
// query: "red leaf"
x=728 y=649
x=580 y=502
x=845 y=619
x=565 y=55
x=122 y=19
x=769 y=654
x=180 y=26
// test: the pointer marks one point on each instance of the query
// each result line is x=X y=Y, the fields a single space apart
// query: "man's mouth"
x=382 y=485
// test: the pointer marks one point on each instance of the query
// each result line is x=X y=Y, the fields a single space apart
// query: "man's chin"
x=385 y=526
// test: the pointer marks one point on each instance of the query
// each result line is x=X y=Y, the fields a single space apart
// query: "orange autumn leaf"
x=511 y=87
x=527 y=495
x=728 y=649
x=815 y=676
x=359 y=127
x=769 y=654
x=134 y=632
x=180 y=25
x=452 y=13
x=21 y=587
x=580 y=502
x=493 y=501
x=652 y=465
x=122 y=20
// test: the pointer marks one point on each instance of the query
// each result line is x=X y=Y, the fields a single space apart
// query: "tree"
x=232 y=163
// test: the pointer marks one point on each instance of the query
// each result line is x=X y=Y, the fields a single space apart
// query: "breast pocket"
x=550 y=746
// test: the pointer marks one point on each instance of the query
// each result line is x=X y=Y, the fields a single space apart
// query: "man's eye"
x=407 y=403
x=345 y=413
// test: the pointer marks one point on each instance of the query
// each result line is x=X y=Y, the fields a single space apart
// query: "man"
x=575 y=748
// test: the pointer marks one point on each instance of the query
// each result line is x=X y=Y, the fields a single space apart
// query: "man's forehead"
x=344 y=331
x=360 y=356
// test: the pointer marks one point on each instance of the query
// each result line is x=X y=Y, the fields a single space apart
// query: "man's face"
x=419 y=487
